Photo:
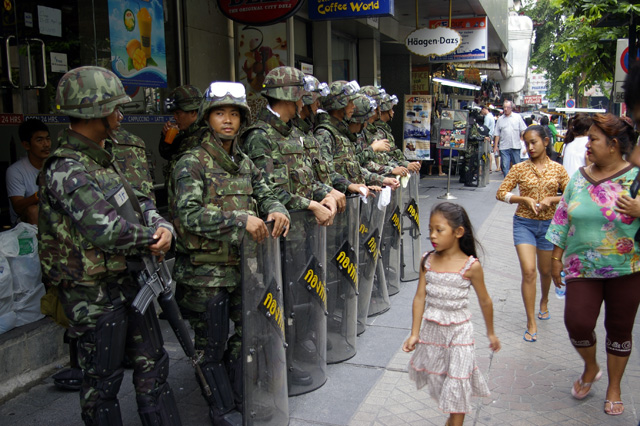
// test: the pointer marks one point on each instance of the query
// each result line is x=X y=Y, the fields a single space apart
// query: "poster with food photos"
x=453 y=129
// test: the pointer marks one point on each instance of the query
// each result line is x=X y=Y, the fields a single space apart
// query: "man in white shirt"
x=489 y=119
x=507 y=133
x=22 y=186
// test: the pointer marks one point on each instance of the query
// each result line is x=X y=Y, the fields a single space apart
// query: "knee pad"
x=217 y=320
x=221 y=399
x=110 y=339
x=159 y=409
x=152 y=379
x=150 y=332
x=107 y=414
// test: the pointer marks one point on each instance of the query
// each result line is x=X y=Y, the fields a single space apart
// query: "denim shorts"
x=532 y=232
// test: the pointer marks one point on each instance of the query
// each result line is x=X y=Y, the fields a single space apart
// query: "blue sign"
x=571 y=103
x=322 y=10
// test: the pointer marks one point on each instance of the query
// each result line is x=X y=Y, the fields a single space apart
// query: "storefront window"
x=343 y=51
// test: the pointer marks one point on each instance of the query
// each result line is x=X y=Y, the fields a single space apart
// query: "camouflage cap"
x=341 y=92
x=284 y=83
x=185 y=98
x=225 y=93
x=365 y=108
x=388 y=102
x=89 y=92
x=373 y=92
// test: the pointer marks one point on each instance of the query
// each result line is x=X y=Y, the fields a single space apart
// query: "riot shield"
x=390 y=243
x=411 y=230
x=342 y=282
x=265 y=401
x=304 y=263
x=371 y=223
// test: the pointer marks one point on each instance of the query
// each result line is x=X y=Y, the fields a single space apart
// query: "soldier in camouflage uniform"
x=386 y=115
x=83 y=244
x=130 y=153
x=184 y=102
x=337 y=143
x=277 y=147
x=217 y=197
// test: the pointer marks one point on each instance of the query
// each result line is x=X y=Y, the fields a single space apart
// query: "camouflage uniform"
x=83 y=242
x=130 y=154
x=395 y=153
x=376 y=162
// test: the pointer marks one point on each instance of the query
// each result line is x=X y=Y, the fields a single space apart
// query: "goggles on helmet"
x=309 y=84
x=323 y=89
x=393 y=99
x=220 y=89
x=351 y=88
x=170 y=104
x=372 y=103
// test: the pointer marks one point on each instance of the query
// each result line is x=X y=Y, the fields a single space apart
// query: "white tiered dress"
x=444 y=358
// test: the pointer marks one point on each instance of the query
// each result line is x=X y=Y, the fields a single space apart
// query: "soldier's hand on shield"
x=414 y=166
x=355 y=188
x=280 y=224
x=323 y=215
x=391 y=182
x=330 y=203
x=381 y=145
x=162 y=245
x=257 y=228
x=374 y=188
x=341 y=199
x=400 y=171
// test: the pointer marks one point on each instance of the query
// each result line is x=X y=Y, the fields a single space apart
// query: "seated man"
x=22 y=187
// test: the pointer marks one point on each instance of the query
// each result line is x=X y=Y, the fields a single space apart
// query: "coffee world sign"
x=259 y=12
x=433 y=41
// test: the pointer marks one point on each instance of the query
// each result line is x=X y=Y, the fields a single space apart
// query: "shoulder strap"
x=470 y=261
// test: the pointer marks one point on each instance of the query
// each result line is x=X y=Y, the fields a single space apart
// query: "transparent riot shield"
x=263 y=346
x=304 y=263
x=342 y=282
x=371 y=223
x=390 y=243
x=411 y=250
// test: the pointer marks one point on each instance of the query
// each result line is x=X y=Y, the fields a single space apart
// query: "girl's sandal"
x=611 y=405
x=581 y=385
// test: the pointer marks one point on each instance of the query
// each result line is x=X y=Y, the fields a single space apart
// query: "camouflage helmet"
x=89 y=92
x=185 y=98
x=284 y=83
x=340 y=93
x=365 y=108
x=318 y=89
x=388 y=102
x=225 y=93
x=374 y=92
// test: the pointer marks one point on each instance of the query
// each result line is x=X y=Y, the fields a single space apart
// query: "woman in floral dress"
x=593 y=232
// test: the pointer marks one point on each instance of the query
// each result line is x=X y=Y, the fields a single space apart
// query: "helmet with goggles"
x=185 y=98
x=388 y=102
x=340 y=93
x=225 y=93
x=374 y=92
x=286 y=84
x=90 y=92
x=365 y=108
x=317 y=89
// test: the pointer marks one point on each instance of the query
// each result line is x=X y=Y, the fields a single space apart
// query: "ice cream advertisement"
x=138 y=54
x=417 y=127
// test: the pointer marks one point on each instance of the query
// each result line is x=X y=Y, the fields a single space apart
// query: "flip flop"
x=583 y=395
x=612 y=404
x=532 y=337
x=541 y=315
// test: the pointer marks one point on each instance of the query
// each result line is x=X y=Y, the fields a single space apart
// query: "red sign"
x=533 y=99
x=9 y=119
x=259 y=12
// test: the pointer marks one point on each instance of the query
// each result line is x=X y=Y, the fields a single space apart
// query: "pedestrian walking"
x=574 y=154
x=507 y=134
x=444 y=358
x=539 y=180
x=593 y=234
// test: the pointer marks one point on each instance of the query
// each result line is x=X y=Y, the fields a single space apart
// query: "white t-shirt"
x=574 y=154
x=21 y=182
x=508 y=128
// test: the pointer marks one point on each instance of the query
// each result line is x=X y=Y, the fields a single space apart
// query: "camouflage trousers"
x=84 y=306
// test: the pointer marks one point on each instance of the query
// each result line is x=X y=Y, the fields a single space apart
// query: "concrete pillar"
x=322 y=51
x=396 y=79
x=368 y=61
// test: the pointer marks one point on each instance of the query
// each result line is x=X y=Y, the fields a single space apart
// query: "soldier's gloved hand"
x=414 y=166
x=341 y=200
x=391 y=182
x=400 y=171
x=323 y=215
x=280 y=224
x=257 y=228
x=162 y=245
x=381 y=145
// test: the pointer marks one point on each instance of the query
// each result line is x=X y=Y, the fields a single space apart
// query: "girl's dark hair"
x=528 y=121
x=541 y=131
x=457 y=216
x=615 y=128
x=578 y=126
x=544 y=121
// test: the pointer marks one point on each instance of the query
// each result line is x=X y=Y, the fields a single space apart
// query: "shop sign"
x=532 y=100
x=474 y=39
x=433 y=41
x=320 y=10
x=136 y=32
x=259 y=12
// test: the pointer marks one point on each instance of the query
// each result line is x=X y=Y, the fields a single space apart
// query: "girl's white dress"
x=444 y=358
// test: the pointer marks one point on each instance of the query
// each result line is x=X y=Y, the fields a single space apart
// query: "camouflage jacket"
x=211 y=195
x=130 y=153
x=322 y=170
x=184 y=141
x=395 y=153
x=376 y=162
x=277 y=148
x=81 y=236
x=337 y=145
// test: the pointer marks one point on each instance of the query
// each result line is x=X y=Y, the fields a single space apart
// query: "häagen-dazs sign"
x=437 y=41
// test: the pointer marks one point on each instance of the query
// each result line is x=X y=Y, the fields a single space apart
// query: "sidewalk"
x=530 y=382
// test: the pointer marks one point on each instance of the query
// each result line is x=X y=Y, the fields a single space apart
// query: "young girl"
x=445 y=360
